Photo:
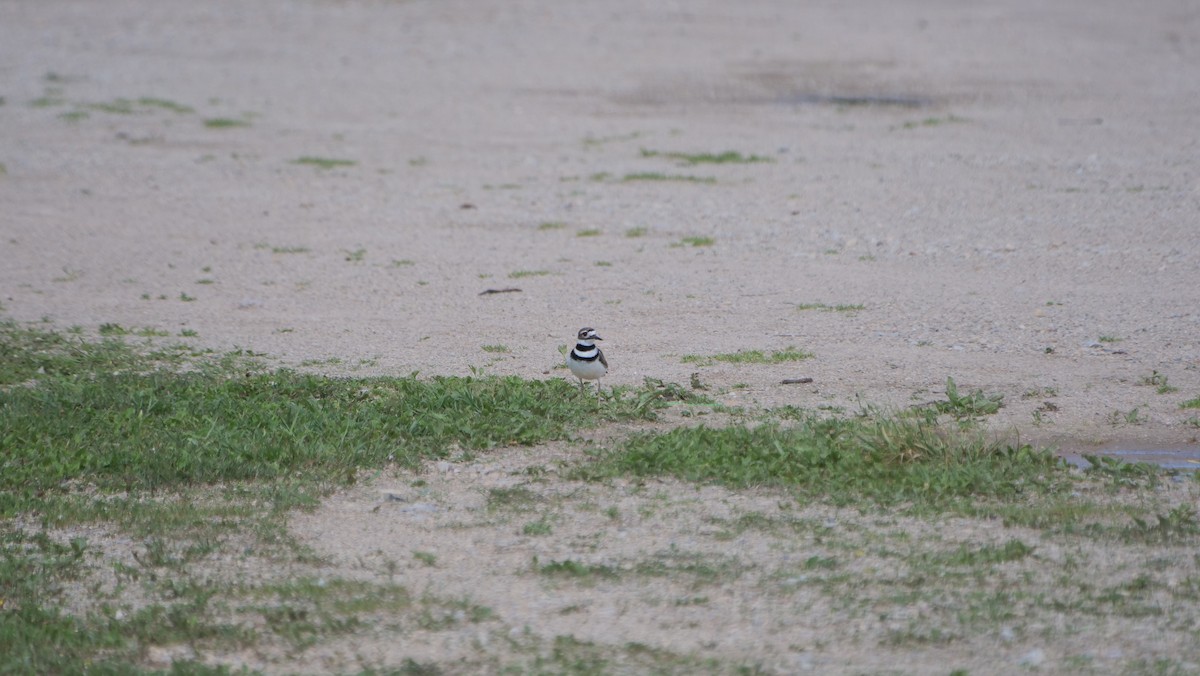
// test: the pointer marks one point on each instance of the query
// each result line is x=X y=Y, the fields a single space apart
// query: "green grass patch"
x=696 y=241
x=518 y=274
x=569 y=568
x=934 y=121
x=966 y=555
x=750 y=357
x=164 y=104
x=130 y=106
x=691 y=159
x=104 y=414
x=323 y=162
x=659 y=176
x=589 y=232
x=517 y=498
x=848 y=307
x=225 y=123
x=885 y=459
x=551 y=225
x=542 y=526
x=1190 y=403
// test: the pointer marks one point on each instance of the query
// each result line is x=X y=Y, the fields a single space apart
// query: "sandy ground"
x=1043 y=195
x=1010 y=190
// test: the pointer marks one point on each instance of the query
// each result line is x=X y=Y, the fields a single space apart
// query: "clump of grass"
x=696 y=241
x=1180 y=524
x=517 y=498
x=1190 y=403
x=164 y=104
x=691 y=159
x=1133 y=416
x=518 y=274
x=225 y=123
x=659 y=176
x=1109 y=339
x=934 y=121
x=496 y=349
x=589 y=232
x=289 y=249
x=751 y=357
x=1158 y=381
x=551 y=225
x=970 y=405
x=854 y=307
x=571 y=568
x=636 y=232
x=885 y=459
x=323 y=162
x=966 y=555
x=129 y=106
x=536 y=528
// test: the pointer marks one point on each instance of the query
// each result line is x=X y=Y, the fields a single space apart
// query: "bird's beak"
x=597 y=338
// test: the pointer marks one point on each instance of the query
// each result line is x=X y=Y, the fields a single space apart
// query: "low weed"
x=750 y=357
x=323 y=162
x=968 y=405
x=658 y=176
x=1179 y=525
x=692 y=159
x=519 y=274
x=841 y=307
x=1159 y=382
x=1119 y=473
x=570 y=568
x=225 y=123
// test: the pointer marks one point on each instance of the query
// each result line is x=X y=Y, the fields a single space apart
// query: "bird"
x=586 y=360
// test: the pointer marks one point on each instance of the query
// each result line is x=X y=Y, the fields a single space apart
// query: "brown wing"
x=600 y=353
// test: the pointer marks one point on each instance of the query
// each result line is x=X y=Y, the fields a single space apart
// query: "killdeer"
x=586 y=360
